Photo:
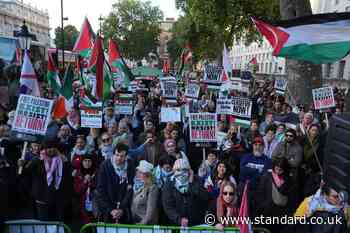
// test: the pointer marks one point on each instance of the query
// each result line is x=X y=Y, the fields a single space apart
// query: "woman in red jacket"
x=84 y=185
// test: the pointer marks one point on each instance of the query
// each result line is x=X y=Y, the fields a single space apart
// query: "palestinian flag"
x=52 y=77
x=99 y=66
x=85 y=40
x=65 y=102
x=227 y=66
x=116 y=61
x=322 y=38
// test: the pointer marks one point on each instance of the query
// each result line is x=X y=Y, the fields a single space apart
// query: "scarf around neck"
x=120 y=170
x=54 y=169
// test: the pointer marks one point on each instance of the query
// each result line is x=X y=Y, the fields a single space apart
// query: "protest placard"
x=323 y=97
x=220 y=137
x=170 y=114
x=280 y=85
x=32 y=115
x=169 y=89
x=124 y=104
x=203 y=127
x=91 y=118
x=224 y=106
x=242 y=107
x=212 y=73
x=192 y=90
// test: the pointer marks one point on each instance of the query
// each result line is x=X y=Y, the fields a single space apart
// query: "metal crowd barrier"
x=122 y=228
x=35 y=226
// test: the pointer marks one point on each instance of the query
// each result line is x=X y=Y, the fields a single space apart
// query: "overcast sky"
x=76 y=10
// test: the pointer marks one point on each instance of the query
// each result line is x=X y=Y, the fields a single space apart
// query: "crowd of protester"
x=137 y=170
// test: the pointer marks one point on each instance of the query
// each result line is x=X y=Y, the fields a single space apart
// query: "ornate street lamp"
x=24 y=37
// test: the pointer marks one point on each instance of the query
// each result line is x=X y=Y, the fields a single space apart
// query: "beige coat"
x=144 y=205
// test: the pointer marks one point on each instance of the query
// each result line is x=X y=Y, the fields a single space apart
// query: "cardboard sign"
x=192 y=90
x=124 y=104
x=281 y=85
x=169 y=89
x=212 y=73
x=170 y=114
x=32 y=115
x=242 y=107
x=224 y=106
x=91 y=118
x=323 y=98
x=203 y=127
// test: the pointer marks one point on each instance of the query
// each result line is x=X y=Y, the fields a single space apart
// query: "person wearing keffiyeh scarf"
x=184 y=200
x=50 y=180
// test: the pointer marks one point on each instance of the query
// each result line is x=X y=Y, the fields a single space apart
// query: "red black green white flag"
x=322 y=38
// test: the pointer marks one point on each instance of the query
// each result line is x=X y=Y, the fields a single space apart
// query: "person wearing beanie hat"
x=291 y=150
x=183 y=198
x=144 y=202
x=84 y=186
x=254 y=165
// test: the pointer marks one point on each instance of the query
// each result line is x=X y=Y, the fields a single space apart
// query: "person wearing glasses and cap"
x=291 y=150
x=254 y=165
x=183 y=198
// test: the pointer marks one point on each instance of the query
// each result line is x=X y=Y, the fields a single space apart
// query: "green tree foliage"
x=70 y=36
x=211 y=23
x=135 y=26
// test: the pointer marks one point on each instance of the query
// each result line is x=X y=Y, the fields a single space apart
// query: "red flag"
x=166 y=66
x=244 y=227
x=113 y=50
x=253 y=61
x=85 y=39
x=274 y=35
x=97 y=60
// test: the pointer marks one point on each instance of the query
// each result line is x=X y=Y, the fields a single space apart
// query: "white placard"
x=323 y=97
x=170 y=114
x=91 y=118
x=32 y=115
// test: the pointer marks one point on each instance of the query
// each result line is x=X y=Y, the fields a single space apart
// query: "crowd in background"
x=141 y=171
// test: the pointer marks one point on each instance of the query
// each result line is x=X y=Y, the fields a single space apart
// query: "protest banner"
x=224 y=106
x=91 y=118
x=169 y=89
x=323 y=97
x=170 y=114
x=192 y=90
x=32 y=115
x=280 y=85
x=124 y=104
x=203 y=127
x=212 y=73
x=242 y=107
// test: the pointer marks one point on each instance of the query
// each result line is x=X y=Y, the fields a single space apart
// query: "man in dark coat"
x=7 y=187
x=184 y=199
x=51 y=183
x=114 y=186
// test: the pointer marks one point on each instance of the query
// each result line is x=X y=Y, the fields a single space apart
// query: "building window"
x=341 y=69
x=347 y=8
x=336 y=2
